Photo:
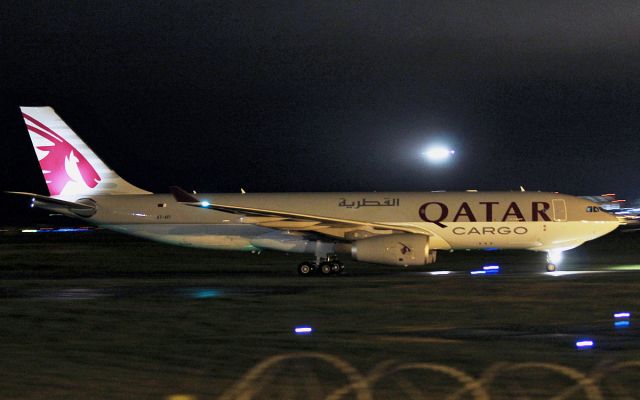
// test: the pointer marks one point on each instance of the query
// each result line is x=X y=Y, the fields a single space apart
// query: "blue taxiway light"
x=584 y=344
x=622 y=324
x=303 y=330
x=55 y=230
x=486 y=270
x=69 y=230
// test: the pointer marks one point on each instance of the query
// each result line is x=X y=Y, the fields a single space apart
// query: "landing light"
x=205 y=204
x=555 y=257
x=438 y=154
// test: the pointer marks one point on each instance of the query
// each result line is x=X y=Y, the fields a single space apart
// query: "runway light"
x=478 y=272
x=203 y=293
x=584 y=344
x=622 y=324
x=635 y=267
x=303 y=330
x=180 y=397
x=438 y=154
x=623 y=314
x=440 y=272
x=491 y=269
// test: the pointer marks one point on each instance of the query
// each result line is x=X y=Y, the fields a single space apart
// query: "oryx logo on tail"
x=62 y=164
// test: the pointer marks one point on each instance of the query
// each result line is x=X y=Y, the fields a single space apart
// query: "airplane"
x=394 y=228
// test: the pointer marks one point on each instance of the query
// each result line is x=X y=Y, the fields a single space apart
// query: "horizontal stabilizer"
x=53 y=204
x=182 y=196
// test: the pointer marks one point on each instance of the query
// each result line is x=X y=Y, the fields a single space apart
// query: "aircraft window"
x=589 y=208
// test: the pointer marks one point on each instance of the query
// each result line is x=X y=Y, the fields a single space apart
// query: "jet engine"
x=398 y=249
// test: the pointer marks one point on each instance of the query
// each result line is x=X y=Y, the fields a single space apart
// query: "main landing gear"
x=326 y=266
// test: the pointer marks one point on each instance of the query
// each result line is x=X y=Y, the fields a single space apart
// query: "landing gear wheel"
x=305 y=268
x=326 y=268
x=337 y=267
x=551 y=267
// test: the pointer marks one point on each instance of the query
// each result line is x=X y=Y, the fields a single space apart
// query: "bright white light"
x=584 y=344
x=440 y=272
x=622 y=315
x=205 y=204
x=438 y=154
x=555 y=257
x=563 y=273
x=303 y=330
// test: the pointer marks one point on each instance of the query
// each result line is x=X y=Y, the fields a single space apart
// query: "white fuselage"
x=453 y=220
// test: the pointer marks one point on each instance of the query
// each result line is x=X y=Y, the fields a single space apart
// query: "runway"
x=97 y=315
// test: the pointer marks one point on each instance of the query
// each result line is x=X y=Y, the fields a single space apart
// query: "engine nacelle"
x=401 y=249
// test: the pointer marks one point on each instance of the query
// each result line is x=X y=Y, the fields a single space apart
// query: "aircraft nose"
x=612 y=222
x=614 y=218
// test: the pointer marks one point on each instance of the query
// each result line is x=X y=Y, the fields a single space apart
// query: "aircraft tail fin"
x=69 y=166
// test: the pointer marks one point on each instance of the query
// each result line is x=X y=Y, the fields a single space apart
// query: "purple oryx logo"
x=62 y=162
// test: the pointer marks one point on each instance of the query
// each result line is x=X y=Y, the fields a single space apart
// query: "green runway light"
x=634 y=267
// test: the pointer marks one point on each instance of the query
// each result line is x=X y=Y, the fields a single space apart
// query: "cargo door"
x=559 y=210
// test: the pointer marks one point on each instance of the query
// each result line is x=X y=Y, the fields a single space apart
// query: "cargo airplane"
x=399 y=228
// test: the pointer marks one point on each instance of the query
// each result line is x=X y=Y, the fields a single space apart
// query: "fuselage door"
x=559 y=210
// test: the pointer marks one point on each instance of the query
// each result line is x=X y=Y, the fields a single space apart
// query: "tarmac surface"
x=99 y=315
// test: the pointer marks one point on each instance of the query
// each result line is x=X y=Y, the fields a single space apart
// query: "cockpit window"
x=591 y=209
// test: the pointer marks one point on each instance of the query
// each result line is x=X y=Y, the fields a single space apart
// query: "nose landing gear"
x=553 y=259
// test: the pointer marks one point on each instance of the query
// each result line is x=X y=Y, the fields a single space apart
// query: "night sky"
x=330 y=96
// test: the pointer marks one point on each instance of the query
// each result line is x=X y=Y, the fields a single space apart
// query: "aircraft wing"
x=285 y=220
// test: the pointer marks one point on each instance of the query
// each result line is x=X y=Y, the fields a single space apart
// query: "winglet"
x=182 y=196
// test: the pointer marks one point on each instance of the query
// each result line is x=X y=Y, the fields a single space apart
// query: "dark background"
x=329 y=96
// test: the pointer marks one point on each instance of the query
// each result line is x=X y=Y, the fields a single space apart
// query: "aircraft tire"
x=337 y=268
x=551 y=267
x=305 y=268
x=326 y=268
